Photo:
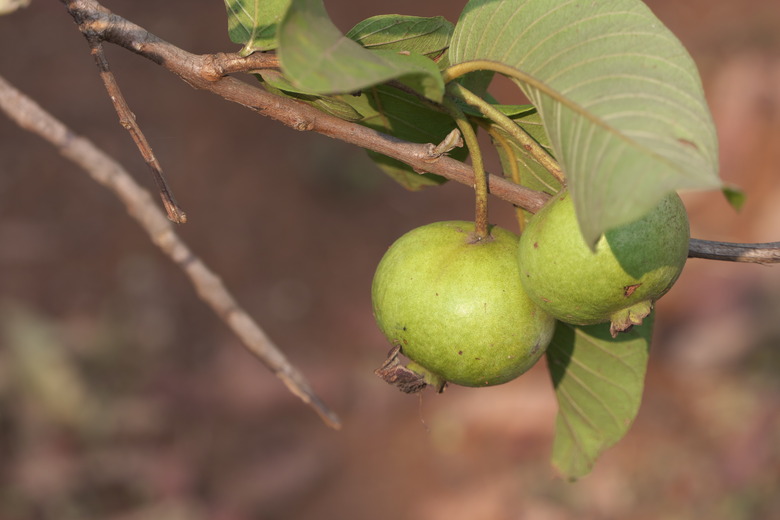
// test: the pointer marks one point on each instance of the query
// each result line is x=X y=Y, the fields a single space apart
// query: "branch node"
x=212 y=69
x=304 y=125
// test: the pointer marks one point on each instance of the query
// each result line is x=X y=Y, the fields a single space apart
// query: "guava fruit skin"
x=632 y=267
x=456 y=307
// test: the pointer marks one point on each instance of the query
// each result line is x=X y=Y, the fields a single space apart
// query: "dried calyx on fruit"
x=454 y=305
x=632 y=266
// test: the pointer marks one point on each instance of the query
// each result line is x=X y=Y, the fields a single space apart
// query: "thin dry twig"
x=128 y=122
x=103 y=169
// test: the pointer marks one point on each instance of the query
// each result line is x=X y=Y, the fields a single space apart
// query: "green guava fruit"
x=454 y=305
x=632 y=266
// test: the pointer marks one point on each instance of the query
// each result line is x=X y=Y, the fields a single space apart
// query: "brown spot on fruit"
x=628 y=290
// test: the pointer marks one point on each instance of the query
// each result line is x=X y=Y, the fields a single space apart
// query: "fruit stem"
x=520 y=136
x=514 y=170
x=481 y=225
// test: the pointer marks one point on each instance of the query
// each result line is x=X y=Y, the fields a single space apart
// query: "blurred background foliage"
x=122 y=397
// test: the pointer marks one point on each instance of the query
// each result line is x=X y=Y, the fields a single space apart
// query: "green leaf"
x=532 y=174
x=620 y=97
x=253 y=23
x=316 y=57
x=598 y=381
x=277 y=84
x=735 y=197
x=426 y=36
x=392 y=111
x=387 y=110
x=403 y=174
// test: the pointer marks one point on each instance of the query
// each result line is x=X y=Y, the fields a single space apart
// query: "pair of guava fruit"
x=480 y=312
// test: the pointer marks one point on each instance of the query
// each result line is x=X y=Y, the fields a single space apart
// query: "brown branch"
x=128 y=122
x=762 y=253
x=206 y=72
x=139 y=203
x=230 y=63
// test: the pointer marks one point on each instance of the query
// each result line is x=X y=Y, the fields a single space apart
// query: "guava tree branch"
x=139 y=203
x=207 y=72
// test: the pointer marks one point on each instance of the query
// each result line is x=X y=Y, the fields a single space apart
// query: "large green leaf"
x=619 y=95
x=316 y=57
x=253 y=23
x=426 y=36
x=598 y=381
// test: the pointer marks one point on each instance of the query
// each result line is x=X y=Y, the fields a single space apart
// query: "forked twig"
x=106 y=171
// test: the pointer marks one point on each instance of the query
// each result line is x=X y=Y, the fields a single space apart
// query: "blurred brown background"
x=123 y=397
